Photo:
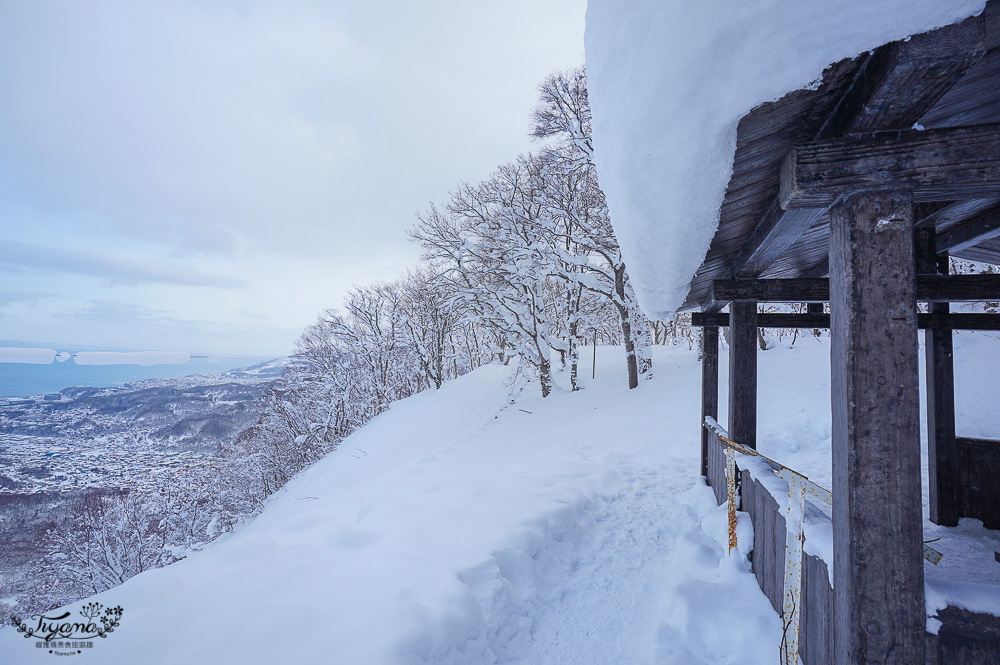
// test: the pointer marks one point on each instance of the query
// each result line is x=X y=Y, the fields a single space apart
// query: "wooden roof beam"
x=947 y=217
x=930 y=288
x=896 y=85
x=775 y=233
x=960 y=321
x=953 y=214
x=938 y=165
x=901 y=81
x=970 y=233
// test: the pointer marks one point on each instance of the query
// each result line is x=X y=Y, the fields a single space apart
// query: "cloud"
x=287 y=144
x=11 y=297
x=116 y=268
x=115 y=311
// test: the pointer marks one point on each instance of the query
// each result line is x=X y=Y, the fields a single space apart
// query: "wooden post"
x=942 y=453
x=593 y=366
x=879 y=614
x=743 y=372
x=709 y=387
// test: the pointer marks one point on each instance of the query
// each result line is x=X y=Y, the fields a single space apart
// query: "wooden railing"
x=963 y=637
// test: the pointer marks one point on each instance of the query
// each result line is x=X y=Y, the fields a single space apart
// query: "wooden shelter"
x=855 y=194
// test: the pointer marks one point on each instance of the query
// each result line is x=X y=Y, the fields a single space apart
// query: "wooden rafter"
x=900 y=81
x=776 y=232
x=970 y=233
x=952 y=214
x=893 y=88
x=930 y=288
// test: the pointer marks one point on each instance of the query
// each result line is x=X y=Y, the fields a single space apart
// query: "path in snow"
x=633 y=578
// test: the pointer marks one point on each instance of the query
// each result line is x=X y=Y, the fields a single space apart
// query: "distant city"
x=91 y=437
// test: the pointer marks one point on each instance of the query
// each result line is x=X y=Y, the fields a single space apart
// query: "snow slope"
x=463 y=528
x=460 y=528
x=668 y=81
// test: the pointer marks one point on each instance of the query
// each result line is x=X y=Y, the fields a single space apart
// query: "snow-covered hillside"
x=464 y=526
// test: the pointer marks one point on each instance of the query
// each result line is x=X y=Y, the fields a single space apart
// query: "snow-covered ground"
x=464 y=526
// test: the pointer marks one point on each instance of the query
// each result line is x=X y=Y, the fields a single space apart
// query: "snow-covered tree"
x=580 y=217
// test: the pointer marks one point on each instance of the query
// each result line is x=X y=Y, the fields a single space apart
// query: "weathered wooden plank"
x=987 y=251
x=776 y=320
x=938 y=165
x=965 y=637
x=977 y=466
x=769 y=543
x=971 y=232
x=768 y=558
x=751 y=502
x=716 y=469
x=900 y=81
x=771 y=290
x=768 y=537
x=973 y=100
x=743 y=373
x=775 y=233
x=816 y=646
x=755 y=507
x=953 y=214
x=930 y=288
x=709 y=387
x=878 y=527
x=943 y=491
x=932 y=643
x=953 y=321
x=957 y=288
x=777 y=543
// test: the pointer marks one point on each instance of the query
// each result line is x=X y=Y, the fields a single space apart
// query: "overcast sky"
x=208 y=175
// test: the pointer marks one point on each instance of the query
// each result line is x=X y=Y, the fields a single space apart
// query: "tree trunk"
x=545 y=376
x=623 y=312
x=574 y=348
x=643 y=343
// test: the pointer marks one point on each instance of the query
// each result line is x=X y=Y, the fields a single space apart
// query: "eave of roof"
x=767 y=133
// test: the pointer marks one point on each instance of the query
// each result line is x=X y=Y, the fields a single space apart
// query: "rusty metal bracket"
x=731 y=496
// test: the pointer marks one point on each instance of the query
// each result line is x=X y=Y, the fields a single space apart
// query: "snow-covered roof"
x=668 y=82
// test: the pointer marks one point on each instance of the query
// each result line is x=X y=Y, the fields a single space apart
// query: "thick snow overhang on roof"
x=669 y=84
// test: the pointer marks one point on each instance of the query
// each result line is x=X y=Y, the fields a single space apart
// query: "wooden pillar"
x=943 y=474
x=743 y=372
x=877 y=522
x=709 y=386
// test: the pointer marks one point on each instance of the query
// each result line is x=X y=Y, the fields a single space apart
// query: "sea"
x=22 y=379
